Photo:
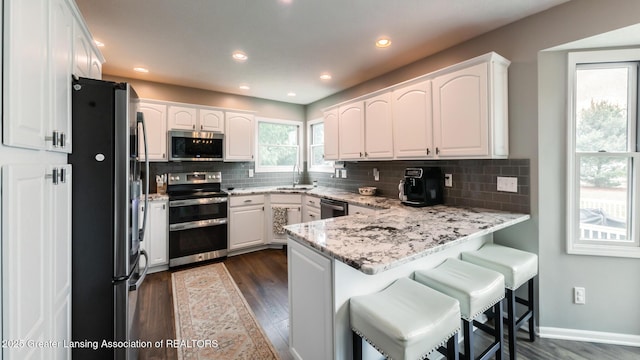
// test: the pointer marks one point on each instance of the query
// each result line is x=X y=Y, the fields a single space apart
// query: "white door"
x=331 y=135
x=239 y=136
x=378 y=127
x=26 y=74
x=211 y=120
x=155 y=117
x=246 y=226
x=351 y=137
x=61 y=69
x=181 y=117
x=412 y=122
x=461 y=130
x=36 y=252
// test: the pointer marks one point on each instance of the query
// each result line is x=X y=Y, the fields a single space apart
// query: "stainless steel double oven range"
x=197 y=217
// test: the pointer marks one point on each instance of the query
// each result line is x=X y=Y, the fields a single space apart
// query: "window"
x=604 y=154
x=278 y=145
x=315 y=134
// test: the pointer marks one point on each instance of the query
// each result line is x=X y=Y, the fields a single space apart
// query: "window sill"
x=632 y=252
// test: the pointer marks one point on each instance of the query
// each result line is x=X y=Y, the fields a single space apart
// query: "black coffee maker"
x=421 y=186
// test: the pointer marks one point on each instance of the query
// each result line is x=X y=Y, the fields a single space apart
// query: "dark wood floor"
x=262 y=278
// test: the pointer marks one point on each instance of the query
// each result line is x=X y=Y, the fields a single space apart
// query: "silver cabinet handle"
x=248 y=201
x=215 y=200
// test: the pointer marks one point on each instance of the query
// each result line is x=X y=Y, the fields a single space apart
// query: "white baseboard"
x=589 y=336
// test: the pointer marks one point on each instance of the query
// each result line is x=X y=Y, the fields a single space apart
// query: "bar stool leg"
x=498 y=330
x=468 y=345
x=511 y=321
x=452 y=348
x=532 y=336
x=357 y=346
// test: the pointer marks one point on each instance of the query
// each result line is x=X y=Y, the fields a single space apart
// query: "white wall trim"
x=589 y=336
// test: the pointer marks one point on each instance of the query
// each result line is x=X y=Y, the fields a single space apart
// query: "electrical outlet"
x=376 y=174
x=448 y=180
x=338 y=173
x=508 y=184
x=344 y=173
x=579 y=296
x=250 y=173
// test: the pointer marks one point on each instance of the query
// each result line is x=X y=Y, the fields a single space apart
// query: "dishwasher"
x=332 y=208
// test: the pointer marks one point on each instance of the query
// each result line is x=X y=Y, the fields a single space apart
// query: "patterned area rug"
x=213 y=320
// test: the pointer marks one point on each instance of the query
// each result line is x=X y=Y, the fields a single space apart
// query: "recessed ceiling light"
x=98 y=43
x=239 y=56
x=141 y=70
x=291 y=93
x=325 y=76
x=244 y=87
x=383 y=42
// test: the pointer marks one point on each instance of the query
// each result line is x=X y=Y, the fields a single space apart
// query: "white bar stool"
x=518 y=267
x=405 y=321
x=478 y=290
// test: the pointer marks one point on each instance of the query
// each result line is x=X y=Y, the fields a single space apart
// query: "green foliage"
x=277 y=144
x=602 y=127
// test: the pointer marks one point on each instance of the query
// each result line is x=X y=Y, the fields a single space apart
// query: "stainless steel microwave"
x=195 y=145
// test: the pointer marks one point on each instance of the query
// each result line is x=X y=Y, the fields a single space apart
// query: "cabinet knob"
x=366 y=154
x=360 y=154
x=437 y=151
x=201 y=127
x=193 y=126
x=428 y=151
x=163 y=156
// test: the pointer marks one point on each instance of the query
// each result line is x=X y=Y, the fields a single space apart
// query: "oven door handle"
x=197 y=224
x=215 y=200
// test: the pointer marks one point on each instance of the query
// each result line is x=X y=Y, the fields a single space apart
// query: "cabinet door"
x=412 y=122
x=95 y=68
x=378 y=127
x=239 y=136
x=26 y=73
x=156 y=234
x=36 y=252
x=351 y=128
x=246 y=226
x=81 y=52
x=61 y=69
x=294 y=216
x=181 y=117
x=331 y=135
x=155 y=118
x=310 y=302
x=211 y=120
x=460 y=112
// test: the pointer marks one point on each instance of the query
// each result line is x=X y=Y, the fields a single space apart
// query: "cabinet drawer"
x=312 y=201
x=286 y=199
x=246 y=200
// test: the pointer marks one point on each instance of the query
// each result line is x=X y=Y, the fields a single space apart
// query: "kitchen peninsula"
x=334 y=259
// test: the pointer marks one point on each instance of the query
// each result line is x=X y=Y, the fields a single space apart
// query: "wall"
x=521 y=42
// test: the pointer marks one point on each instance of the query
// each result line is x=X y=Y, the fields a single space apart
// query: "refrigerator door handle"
x=140 y=120
x=140 y=280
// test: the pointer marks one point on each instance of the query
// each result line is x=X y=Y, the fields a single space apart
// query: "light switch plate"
x=448 y=180
x=344 y=173
x=507 y=184
x=250 y=173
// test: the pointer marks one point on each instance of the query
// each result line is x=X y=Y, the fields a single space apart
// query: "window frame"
x=272 y=169
x=627 y=249
x=311 y=167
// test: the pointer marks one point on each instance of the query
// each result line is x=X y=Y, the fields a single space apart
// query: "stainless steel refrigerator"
x=106 y=229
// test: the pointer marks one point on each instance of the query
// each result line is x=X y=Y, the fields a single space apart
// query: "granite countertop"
x=377 y=202
x=389 y=238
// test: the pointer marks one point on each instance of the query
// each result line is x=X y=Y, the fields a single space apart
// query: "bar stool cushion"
x=406 y=320
x=517 y=266
x=477 y=288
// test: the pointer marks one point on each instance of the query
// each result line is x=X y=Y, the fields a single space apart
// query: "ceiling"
x=289 y=43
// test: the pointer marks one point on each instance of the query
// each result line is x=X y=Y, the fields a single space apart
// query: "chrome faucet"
x=294 y=174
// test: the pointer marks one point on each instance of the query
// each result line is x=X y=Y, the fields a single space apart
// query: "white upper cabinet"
x=182 y=117
x=239 y=136
x=87 y=60
x=351 y=131
x=412 y=125
x=470 y=111
x=185 y=117
x=331 y=130
x=378 y=127
x=155 y=118
x=40 y=39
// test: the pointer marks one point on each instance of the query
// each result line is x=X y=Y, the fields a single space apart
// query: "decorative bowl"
x=367 y=190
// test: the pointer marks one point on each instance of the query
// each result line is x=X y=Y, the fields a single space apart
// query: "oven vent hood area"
x=196 y=145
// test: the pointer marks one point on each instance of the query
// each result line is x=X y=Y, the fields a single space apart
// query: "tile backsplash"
x=474 y=181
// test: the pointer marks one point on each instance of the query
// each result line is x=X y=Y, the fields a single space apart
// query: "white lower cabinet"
x=310 y=208
x=293 y=205
x=246 y=221
x=36 y=259
x=311 y=303
x=155 y=241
